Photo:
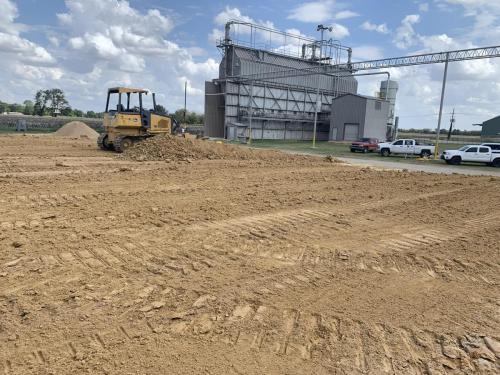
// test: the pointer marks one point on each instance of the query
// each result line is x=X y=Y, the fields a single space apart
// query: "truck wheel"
x=496 y=163
x=456 y=160
x=353 y=150
x=385 y=152
x=365 y=150
x=425 y=153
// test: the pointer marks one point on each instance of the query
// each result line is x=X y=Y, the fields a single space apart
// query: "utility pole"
x=452 y=121
x=438 y=133
x=318 y=99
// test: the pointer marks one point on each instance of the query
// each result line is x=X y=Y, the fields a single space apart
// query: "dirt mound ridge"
x=77 y=129
x=171 y=148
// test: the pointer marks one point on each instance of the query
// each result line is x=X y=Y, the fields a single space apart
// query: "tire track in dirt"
x=331 y=341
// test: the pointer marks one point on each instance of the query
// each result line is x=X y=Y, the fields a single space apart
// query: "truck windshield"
x=463 y=148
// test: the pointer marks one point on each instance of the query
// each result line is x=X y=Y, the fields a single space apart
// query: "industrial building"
x=491 y=129
x=357 y=116
x=269 y=87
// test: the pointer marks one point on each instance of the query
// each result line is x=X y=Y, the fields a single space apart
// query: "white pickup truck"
x=472 y=153
x=405 y=147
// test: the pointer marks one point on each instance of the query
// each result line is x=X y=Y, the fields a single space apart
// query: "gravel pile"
x=76 y=129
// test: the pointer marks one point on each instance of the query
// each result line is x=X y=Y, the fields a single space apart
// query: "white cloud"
x=438 y=43
x=315 y=11
x=100 y=44
x=230 y=14
x=54 y=41
x=344 y=14
x=406 y=36
x=361 y=53
x=423 y=7
x=215 y=36
x=382 y=28
x=12 y=45
x=486 y=15
x=8 y=15
x=339 y=31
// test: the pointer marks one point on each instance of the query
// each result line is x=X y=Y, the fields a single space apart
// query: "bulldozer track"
x=351 y=346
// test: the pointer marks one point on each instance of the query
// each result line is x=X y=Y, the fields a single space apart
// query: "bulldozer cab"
x=131 y=115
x=129 y=101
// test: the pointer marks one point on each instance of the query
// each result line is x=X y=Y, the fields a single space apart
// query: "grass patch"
x=340 y=149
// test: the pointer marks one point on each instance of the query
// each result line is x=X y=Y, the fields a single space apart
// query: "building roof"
x=491 y=127
x=494 y=119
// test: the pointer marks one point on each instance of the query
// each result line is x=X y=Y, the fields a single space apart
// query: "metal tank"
x=389 y=91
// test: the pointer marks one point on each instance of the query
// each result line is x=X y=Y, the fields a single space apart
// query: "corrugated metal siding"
x=279 y=103
x=214 y=111
x=353 y=109
x=376 y=120
x=491 y=128
x=347 y=109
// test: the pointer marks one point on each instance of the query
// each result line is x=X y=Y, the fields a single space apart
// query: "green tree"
x=78 y=113
x=57 y=100
x=161 y=110
x=53 y=99
x=16 y=108
x=191 y=117
x=41 y=100
x=29 y=107
x=4 y=107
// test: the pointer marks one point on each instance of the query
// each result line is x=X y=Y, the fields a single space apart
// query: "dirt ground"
x=109 y=266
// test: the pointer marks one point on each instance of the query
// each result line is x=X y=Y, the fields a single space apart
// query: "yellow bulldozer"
x=127 y=120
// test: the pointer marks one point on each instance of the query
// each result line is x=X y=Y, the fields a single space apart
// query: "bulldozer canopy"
x=122 y=90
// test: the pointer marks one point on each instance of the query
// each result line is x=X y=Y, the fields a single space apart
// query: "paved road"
x=479 y=170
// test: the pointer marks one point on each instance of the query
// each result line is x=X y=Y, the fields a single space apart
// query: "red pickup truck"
x=365 y=145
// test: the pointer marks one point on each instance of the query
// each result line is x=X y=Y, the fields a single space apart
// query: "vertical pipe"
x=436 y=150
x=250 y=115
x=317 y=91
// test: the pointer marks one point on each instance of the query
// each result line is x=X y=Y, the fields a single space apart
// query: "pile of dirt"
x=77 y=129
x=172 y=148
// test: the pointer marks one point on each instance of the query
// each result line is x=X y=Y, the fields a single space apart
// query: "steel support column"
x=443 y=88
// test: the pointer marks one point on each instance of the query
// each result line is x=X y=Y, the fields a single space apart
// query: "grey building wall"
x=214 y=111
x=376 y=116
x=347 y=109
x=370 y=114
x=491 y=128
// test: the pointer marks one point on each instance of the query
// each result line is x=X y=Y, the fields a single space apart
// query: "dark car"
x=365 y=145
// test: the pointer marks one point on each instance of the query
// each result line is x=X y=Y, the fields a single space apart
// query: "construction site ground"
x=110 y=266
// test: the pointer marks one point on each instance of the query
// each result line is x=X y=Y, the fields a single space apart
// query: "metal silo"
x=389 y=91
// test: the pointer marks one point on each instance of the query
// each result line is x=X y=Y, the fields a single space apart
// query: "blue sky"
x=85 y=46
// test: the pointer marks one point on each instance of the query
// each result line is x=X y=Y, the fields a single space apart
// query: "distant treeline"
x=53 y=102
x=443 y=131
